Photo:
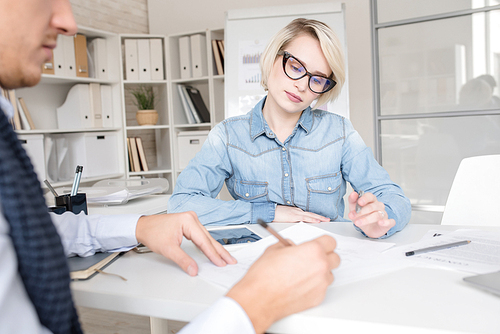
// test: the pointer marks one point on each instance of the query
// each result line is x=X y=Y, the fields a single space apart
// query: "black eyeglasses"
x=294 y=69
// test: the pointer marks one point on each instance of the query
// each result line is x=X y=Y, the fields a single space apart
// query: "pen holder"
x=75 y=204
x=57 y=209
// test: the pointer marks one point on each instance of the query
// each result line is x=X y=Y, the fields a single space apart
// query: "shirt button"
x=247 y=194
x=287 y=202
x=284 y=149
x=270 y=133
x=329 y=188
x=286 y=174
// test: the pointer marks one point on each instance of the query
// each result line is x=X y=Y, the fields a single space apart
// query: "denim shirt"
x=309 y=170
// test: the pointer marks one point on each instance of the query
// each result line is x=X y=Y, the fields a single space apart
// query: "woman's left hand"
x=372 y=218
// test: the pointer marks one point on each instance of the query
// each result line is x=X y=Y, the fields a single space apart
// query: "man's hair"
x=330 y=45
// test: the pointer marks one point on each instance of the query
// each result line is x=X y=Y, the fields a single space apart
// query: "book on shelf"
x=83 y=268
x=199 y=105
x=135 y=155
x=17 y=118
x=24 y=121
x=187 y=110
x=27 y=113
x=142 y=154
x=130 y=158
x=218 y=56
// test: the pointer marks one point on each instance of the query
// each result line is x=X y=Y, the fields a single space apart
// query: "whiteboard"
x=247 y=32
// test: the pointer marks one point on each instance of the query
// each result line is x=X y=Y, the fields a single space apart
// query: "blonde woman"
x=287 y=162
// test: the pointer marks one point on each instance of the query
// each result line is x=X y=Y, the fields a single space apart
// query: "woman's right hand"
x=293 y=214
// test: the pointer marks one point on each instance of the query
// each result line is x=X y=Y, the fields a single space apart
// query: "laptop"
x=489 y=282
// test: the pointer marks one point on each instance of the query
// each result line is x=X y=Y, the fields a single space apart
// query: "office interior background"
x=412 y=66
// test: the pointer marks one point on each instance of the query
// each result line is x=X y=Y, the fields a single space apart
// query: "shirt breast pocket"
x=323 y=194
x=251 y=191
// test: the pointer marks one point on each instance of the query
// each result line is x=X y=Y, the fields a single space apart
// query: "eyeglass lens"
x=295 y=70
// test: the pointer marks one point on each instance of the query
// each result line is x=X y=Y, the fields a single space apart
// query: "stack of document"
x=120 y=191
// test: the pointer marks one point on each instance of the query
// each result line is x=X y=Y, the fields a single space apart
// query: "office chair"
x=474 y=197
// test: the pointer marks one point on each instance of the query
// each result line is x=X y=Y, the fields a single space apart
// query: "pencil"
x=436 y=248
x=273 y=232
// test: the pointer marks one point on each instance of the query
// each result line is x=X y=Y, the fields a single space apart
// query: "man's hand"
x=286 y=280
x=163 y=235
x=292 y=214
x=372 y=218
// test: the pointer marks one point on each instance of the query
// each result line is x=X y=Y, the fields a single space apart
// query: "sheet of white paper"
x=481 y=256
x=359 y=257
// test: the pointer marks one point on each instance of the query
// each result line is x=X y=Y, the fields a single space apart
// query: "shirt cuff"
x=264 y=211
x=117 y=232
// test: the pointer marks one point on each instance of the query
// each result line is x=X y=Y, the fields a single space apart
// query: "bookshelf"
x=43 y=100
x=159 y=140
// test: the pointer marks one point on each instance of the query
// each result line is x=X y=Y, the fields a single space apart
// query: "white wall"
x=170 y=17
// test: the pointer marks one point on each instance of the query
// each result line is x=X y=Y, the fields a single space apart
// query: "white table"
x=411 y=300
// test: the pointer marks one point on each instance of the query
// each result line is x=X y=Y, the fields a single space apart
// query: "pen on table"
x=76 y=181
x=436 y=248
x=52 y=190
x=273 y=232
x=358 y=207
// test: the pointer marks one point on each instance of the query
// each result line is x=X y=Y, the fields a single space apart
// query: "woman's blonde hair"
x=330 y=45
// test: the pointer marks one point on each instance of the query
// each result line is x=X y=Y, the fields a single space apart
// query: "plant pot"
x=146 y=117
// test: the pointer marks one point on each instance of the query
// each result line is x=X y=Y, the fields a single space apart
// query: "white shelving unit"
x=162 y=137
x=43 y=100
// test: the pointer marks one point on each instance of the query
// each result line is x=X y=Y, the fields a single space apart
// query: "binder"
x=199 y=105
x=97 y=51
x=196 y=116
x=142 y=154
x=48 y=67
x=198 y=55
x=131 y=61
x=95 y=104
x=75 y=111
x=58 y=58
x=156 y=52
x=107 y=106
x=217 y=57
x=81 y=61
x=68 y=44
x=144 y=59
x=185 y=106
x=185 y=57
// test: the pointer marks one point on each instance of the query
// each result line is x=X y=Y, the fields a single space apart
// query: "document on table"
x=360 y=258
x=481 y=255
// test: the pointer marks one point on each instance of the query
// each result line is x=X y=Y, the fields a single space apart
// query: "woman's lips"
x=293 y=97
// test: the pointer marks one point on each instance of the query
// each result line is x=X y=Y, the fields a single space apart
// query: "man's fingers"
x=204 y=243
x=183 y=260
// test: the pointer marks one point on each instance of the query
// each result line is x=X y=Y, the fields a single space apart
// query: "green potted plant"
x=145 y=98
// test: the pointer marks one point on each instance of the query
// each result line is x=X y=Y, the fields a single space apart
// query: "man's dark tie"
x=42 y=264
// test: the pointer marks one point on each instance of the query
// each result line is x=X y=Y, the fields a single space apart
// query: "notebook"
x=489 y=282
x=82 y=268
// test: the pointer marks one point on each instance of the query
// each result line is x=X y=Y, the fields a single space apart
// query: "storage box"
x=33 y=144
x=95 y=151
x=188 y=144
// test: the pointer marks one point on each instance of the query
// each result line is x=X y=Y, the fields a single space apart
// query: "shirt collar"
x=7 y=107
x=258 y=125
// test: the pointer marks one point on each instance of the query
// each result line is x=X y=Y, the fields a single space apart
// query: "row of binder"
x=75 y=56
x=86 y=106
x=194 y=107
x=193 y=56
x=144 y=59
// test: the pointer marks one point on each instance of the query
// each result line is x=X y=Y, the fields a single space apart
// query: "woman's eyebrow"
x=305 y=66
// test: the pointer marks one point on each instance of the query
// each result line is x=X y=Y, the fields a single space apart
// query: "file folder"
x=48 y=67
x=68 y=44
x=98 y=52
x=58 y=52
x=81 y=61
x=131 y=62
x=185 y=57
x=95 y=104
x=106 y=106
x=75 y=111
x=156 y=51
x=198 y=55
x=144 y=59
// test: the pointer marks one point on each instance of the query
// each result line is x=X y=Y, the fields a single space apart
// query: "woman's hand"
x=292 y=214
x=372 y=219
